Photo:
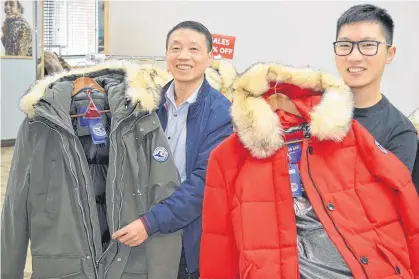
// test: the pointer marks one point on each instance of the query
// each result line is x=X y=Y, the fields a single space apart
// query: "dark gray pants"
x=183 y=273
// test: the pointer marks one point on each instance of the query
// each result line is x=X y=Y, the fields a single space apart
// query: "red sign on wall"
x=223 y=46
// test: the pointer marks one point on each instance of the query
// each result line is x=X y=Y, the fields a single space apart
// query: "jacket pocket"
x=52 y=183
x=56 y=268
x=53 y=195
x=136 y=267
x=398 y=268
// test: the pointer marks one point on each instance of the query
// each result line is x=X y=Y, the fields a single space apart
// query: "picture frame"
x=17 y=25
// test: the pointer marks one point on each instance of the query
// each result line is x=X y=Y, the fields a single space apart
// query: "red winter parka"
x=362 y=194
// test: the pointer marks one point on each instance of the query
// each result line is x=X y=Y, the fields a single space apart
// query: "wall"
x=296 y=33
x=16 y=76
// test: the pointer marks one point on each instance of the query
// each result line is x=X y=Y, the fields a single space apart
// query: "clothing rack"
x=100 y=57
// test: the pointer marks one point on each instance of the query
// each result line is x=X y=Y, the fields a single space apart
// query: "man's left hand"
x=133 y=234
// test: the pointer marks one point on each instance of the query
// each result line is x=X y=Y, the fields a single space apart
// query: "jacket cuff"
x=150 y=222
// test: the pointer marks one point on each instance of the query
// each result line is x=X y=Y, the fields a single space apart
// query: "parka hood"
x=259 y=128
x=142 y=85
x=414 y=118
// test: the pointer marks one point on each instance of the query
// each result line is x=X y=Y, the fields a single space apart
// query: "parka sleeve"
x=14 y=218
x=407 y=203
x=395 y=175
x=218 y=255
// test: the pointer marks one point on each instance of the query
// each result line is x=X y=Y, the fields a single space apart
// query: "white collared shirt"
x=176 y=127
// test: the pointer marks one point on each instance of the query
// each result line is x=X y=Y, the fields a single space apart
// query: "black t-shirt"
x=415 y=173
x=391 y=128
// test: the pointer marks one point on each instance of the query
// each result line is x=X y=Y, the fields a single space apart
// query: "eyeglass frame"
x=357 y=44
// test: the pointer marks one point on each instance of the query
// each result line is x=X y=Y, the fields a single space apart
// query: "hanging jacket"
x=362 y=194
x=67 y=195
x=414 y=117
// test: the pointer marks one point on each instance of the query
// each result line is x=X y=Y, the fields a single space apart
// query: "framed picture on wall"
x=16 y=19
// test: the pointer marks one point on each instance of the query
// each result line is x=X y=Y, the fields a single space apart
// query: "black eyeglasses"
x=366 y=47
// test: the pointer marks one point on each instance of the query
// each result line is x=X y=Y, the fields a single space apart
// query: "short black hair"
x=193 y=25
x=368 y=12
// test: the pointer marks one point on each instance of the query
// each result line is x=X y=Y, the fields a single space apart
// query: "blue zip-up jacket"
x=208 y=124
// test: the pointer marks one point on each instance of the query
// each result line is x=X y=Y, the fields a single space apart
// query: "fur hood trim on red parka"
x=259 y=128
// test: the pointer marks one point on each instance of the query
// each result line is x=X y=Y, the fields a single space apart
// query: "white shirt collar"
x=170 y=94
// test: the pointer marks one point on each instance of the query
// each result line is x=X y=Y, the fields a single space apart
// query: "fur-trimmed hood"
x=414 y=118
x=140 y=84
x=221 y=75
x=259 y=128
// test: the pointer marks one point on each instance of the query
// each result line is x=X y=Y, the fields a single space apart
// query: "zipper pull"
x=310 y=148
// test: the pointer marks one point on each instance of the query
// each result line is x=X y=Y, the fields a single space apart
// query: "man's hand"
x=133 y=234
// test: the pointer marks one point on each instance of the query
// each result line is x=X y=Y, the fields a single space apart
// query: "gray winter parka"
x=67 y=195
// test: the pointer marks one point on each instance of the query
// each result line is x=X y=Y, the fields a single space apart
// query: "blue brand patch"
x=294 y=152
x=381 y=147
x=97 y=130
x=296 y=185
x=160 y=154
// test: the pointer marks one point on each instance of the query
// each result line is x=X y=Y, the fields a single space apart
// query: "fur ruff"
x=159 y=76
x=414 y=118
x=142 y=85
x=221 y=76
x=258 y=127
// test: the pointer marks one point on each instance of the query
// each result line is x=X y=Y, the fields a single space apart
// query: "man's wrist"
x=150 y=223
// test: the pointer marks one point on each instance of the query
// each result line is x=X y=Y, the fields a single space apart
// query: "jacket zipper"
x=78 y=193
x=327 y=212
x=115 y=165
x=121 y=203
x=113 y=197
x=87 y=192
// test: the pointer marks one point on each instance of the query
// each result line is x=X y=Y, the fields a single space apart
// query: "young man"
x=364 y=45
x=196 y=119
